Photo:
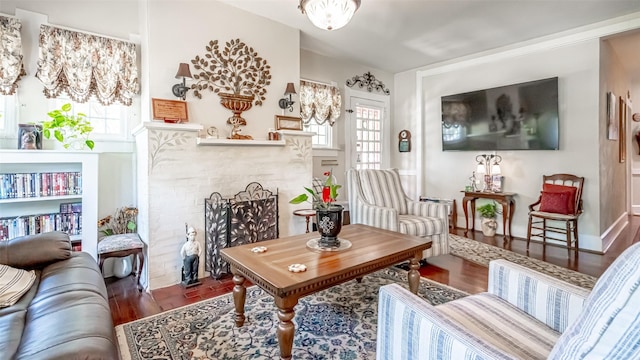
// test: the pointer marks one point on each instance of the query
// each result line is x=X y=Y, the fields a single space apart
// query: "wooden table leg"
x=286 y=328
x=414 y=274
x=505 y=216
x=239 y=296
x=465 y=202
x=307 y=218
x=139 y=257
x=473 y=214
x=512 y=209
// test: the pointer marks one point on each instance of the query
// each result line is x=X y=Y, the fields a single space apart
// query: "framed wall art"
x=625 y=113
x=612 y=121
x=288 y=123
x=29 y=137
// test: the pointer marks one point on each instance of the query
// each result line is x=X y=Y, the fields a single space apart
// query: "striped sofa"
x=524 y=315
x=376 y=198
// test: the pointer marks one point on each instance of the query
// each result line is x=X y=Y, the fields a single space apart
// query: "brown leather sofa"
x=65 y=314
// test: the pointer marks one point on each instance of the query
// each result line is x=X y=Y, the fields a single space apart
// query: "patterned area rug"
x=337 y=323
x=481 y=253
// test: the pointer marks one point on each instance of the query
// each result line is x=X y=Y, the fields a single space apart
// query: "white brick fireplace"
x=177 y=171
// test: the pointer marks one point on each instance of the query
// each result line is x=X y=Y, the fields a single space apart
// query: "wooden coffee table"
x=372 y=249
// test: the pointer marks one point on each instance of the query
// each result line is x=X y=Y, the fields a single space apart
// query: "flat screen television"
x=515 y=117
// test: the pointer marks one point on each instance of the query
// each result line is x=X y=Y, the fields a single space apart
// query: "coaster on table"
x=259 y=249
x=297 y=268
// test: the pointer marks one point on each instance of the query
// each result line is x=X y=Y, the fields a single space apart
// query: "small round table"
x=307 y=213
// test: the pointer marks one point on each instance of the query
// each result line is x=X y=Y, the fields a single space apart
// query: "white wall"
x=613 y=174
x=446 y=173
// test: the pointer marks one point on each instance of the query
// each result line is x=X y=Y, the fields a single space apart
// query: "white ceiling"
x=398 y=35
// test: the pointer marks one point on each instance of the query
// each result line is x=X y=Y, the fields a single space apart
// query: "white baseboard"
x=614 y=231
x=635 y=210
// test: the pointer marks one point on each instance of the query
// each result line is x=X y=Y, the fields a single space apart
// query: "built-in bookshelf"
x=43 y=190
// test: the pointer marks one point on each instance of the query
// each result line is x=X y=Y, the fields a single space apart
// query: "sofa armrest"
x=430 y=209
x=33 y=251
x=552 y=301
x=411 y=328
x=376 y=216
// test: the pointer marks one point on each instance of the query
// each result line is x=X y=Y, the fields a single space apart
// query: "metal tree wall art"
x=236 y=69
x=237 y=74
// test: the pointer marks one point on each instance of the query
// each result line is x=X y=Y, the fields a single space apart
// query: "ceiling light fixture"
x=329 y=14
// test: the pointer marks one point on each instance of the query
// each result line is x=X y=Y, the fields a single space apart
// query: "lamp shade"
x=481 y=169
x=290 y=90
x=329 y=14
x=183 y=71
x=495 y=169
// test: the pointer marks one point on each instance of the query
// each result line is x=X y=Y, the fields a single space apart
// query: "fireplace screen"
x=248 y=217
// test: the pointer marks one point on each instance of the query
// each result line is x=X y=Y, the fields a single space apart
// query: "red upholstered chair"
x=557 y=210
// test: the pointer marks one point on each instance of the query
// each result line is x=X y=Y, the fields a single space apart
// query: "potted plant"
x=71 y=130
x=488 y=213
x=328 y=214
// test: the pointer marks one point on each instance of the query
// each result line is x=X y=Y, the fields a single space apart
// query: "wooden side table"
x=506 y=199
x=307 y=213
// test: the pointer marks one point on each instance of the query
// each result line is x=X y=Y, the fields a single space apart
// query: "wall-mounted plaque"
x=288 y=123
x=171 y=111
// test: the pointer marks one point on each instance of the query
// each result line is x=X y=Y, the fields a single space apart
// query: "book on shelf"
x=26 y=185
x=11 y=227
x=75 y=207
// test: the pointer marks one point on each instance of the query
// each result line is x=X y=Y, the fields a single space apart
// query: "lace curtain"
x=319 y=102
x=11 y=68
x=82 y=65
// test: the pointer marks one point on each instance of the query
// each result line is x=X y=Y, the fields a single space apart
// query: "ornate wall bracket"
x=368 y=81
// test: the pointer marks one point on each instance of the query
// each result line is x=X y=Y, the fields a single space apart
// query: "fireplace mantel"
x=177 y=170
x=231 y=142
x=208 y=141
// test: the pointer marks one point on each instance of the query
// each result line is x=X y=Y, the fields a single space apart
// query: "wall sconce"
x=488 y=165
x=287 y=103
x=180 y=90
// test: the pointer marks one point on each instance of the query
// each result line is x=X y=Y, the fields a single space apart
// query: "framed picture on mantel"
x=288 y=123
x=171 y=111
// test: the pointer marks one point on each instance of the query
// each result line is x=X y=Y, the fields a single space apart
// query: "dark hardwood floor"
x=128 y=304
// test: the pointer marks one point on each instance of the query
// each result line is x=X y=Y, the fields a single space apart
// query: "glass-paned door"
x=368 y=130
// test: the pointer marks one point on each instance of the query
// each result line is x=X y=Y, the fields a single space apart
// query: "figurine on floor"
x=190 y=259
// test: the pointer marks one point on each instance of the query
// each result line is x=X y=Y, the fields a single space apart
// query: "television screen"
x=515 y=117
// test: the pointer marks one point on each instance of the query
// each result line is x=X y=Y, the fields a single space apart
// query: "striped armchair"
x=524 y=315
x=376 y=198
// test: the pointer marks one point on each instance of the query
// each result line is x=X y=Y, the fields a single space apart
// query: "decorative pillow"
x=561 y=188
x=13 y=284
x=555 y=202
x=609 y=325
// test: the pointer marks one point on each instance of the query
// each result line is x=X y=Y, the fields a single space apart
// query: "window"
x=109 y=122
x=319 y=109
x=323 y=137
x=8 y=115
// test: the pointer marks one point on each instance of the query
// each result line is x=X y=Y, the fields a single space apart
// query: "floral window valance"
x=319 y=102
x=11 y=67
x=83 y=64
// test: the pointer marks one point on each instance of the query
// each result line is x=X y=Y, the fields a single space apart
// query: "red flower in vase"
x=321 y=200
